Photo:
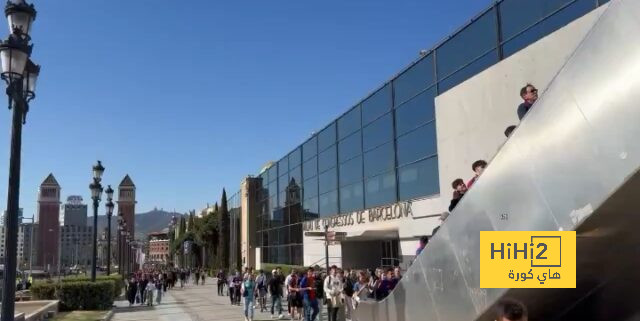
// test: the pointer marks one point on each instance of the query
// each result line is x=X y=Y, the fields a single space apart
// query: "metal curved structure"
x=572 y=164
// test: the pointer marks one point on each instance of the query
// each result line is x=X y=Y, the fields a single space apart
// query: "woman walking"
x=333 y=287
x=132 y=289
x=261 y=284
x=248 y=293
x=159 y=288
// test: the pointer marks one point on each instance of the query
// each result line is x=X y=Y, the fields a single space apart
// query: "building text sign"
x=391 y=212
x=527 y=259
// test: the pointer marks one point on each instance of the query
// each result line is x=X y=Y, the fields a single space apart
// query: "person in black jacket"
x=275 y=289
x=132 y=289
x=459 y=189
x=529 y=94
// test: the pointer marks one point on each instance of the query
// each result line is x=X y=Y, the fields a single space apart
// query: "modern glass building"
x=384 y=149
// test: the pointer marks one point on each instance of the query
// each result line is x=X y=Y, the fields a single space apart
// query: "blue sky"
x=188 y=97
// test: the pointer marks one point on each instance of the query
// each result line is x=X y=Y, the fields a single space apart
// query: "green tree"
x=224 y=232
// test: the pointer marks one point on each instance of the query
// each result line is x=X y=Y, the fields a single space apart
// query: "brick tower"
x=48 y=220
x=127 y=202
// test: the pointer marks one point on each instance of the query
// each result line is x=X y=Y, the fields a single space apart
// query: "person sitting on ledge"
x=529 y=94
x=459 y=189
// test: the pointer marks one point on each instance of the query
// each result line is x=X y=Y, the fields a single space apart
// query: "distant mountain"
x=152 y=221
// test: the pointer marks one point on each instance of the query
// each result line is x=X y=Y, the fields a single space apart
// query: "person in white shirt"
x=333 y=287
x=151 y=287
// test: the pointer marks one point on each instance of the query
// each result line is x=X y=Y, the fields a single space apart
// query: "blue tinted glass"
x=380 y=189
x=294 y=158
x=376 y=105
x=417 y=144
x=350 y=147
x=378 y=132
x=601 y=2
x=351 y=198
x=283 y=181
x=349 y=122
x=310 y=168
x=327 y=159
x=310 y=148
x=296 y=174
x=310 y=206
x=273 y=188
x=549 y=25
x=327 y=137
x=473 y=69
x=379 y=160
x=328 y=181
x=283 y=166
x=470 y=43
x=310 y=187
x=419 y=179
x=273 y=173
x=414 y=80
x=518 y=15
x=282 y=196
x=415 y=112
x=351 y=171
x=329 y=204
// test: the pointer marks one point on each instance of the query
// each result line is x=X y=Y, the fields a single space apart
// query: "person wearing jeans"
x=275 y=288
x=248 y=293
x=310 y=304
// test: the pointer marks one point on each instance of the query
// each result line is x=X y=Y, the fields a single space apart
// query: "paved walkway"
x=193 y=303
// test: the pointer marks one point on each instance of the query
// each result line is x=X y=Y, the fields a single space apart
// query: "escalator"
x=572 y=164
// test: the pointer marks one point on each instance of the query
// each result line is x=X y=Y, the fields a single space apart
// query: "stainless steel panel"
x=565 y=167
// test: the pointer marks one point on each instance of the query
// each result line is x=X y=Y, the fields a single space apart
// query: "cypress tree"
x=224 y=232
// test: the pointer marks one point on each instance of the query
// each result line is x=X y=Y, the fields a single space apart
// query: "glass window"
x=379 y=160
x=273 y=188
x=310 y=148
x=273 y=237
x=282 y=198
x=294 y=158
x=327 y=159
x=378 y=132
x=469 y=71
x=311 y=187
x=549 y=25
x=414 y=80
x=310 y=206
x=310 y=168
x=351 y=198
x=327 y=137
x=283 y=166
x=470 y=43
x=295 y=233
x=417 y=144
x=296 y=255
x=376 y=105
x=350 y=147
x=349 y=122
x=351 y=171
x=273 y=173
x=329 y=204
x=518 y=15
x=327 y=181
x=285 y=238
x=283 y=181
x=416 y=112
x=380 y=189
x=296 y=173
x=419 y=179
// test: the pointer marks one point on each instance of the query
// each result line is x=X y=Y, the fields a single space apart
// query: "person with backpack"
x=261 y=285
x=307 y=287
x=294 y=297
x=275 y=289
x=248 y=290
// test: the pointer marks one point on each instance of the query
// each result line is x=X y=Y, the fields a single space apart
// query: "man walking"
x=275 y=289
x=310 y=304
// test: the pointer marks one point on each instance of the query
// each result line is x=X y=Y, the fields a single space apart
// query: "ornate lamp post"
x=109 y=205
x=20 y=75
x=96 y=193
x=120 y=228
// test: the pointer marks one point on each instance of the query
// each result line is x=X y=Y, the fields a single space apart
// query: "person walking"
x=310 y=304
x=160 y=286
x=275 y=289
x=197 y=279
x=203 y=276
x=333 y=287
x=294 y=296
x=237 y=286
x=151 y=287
x=349 y=282
x=248 y=293
x=132 y=290
x=222 y=278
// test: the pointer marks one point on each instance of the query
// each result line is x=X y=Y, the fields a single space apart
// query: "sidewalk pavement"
x=192 y=303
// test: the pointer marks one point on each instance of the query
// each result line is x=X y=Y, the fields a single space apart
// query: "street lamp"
x=119 y=239
x=20 y=75
x=96 y=192
x=109 y=206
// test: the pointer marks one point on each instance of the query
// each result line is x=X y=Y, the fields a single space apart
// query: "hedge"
x=78 y=295
x=115 y=278
x=286 y=269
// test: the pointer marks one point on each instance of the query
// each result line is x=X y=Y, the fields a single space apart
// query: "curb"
x=108 y=316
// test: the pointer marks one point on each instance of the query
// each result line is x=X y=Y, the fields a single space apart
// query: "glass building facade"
x=383 y=149
x=234 y=205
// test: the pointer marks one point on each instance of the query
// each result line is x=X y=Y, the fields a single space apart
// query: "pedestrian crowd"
x=144 y=285
x=306 y=292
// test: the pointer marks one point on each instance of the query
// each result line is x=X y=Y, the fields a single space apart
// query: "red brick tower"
x=48 y=220
x=127 y=202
